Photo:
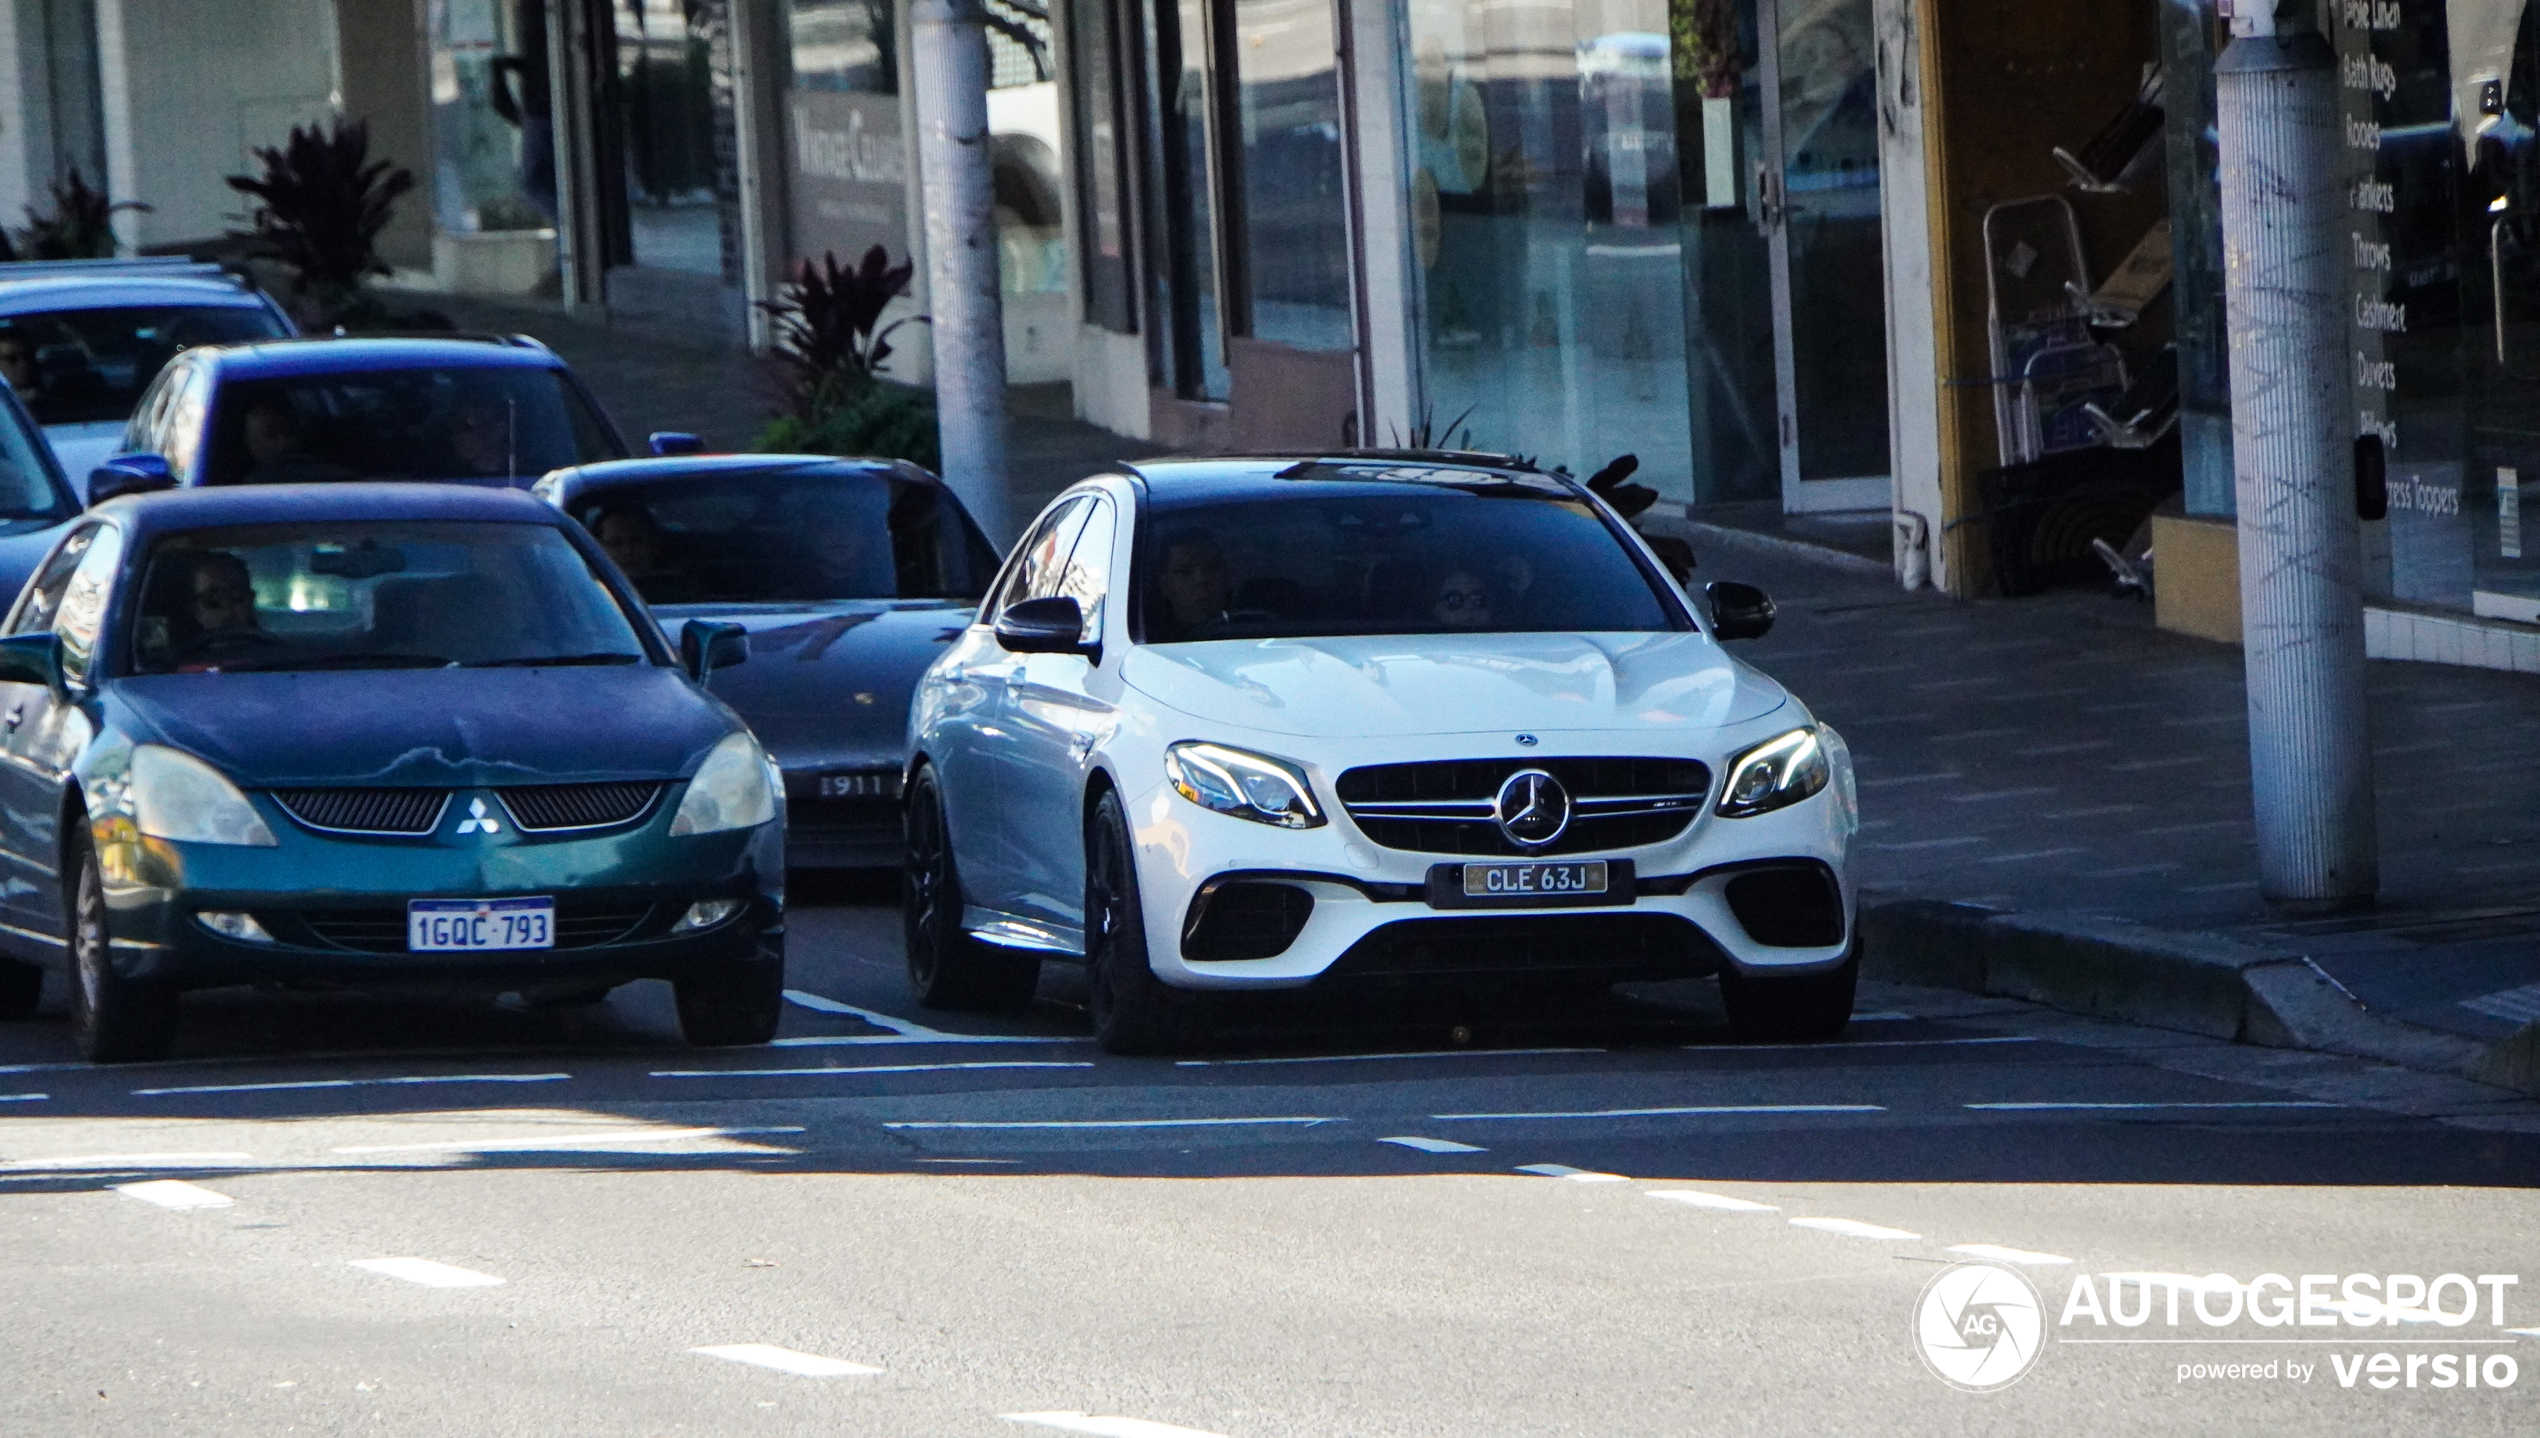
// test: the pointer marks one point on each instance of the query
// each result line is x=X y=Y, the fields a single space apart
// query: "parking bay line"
x=2053 y=1107
x=1106 y=1122
x=1433 y=1145
x=128 y=1160
x=1106 y=1426
x=1574 y=1175
x=1371 y=1058
x=786 y=1360
x=1854 y=1228
x=1695 y=1198
x=561 y=1141
x=2006 y=1255
x=1755 y=1108
x=24 y=1097
x=400 y=1082
x=1862 y=1044
x=871 y=1069
x=174 y=1193
x=428 y=1273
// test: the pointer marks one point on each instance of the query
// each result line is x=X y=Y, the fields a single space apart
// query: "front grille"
x=365 y=811
x=1607 y=947
x=842 y=816
x=1246 y=920
x=1444 y=807
x=539 y=808
x=381 y=929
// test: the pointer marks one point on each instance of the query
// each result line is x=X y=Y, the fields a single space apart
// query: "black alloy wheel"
x=733 y=1004
x=1801 y=1009
x=948 y=968
x=114 y=1019
x=1134 y=1012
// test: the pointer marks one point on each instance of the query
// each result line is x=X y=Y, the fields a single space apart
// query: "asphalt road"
x=335 y=1214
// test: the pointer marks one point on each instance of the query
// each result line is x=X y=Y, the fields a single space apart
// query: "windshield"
x=90 y=366
x=357 y=595
x=760 y=538
x=506 y=425
x=1390 y=560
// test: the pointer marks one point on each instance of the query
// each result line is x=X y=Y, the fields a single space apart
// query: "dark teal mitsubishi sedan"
x=371 y=735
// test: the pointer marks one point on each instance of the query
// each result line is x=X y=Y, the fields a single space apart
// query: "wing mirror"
x=666 y=443
x=705 y=646
x=1738 y=611
x=1054 y=625
x=129 y=474
x=32 y=659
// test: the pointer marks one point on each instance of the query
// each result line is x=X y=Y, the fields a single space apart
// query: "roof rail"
x=153 y=267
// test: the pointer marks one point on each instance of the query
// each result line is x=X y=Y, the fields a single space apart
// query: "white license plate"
x=1508 y=881
x=439 y=926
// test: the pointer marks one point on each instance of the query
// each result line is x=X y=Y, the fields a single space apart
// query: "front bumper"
x=335 y=905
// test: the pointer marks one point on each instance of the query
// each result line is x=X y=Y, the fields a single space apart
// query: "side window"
x=82 y=615
x=1086 y=578
x=1041 y=557
x=181 y=432
x=44 y=596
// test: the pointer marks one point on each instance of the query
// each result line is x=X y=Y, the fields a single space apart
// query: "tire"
x=732 y=1005
x=114 y=1019
x=21 y=988
x=948 y=968
x=1804 y=1009
x=1134 y=1012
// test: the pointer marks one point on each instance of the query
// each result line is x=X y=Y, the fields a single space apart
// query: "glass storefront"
x=1295 y=252
x=665 y=88
x=493 y=127
x=848 y=180
x=2441 y=124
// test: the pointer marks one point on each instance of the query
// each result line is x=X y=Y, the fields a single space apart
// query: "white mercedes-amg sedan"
x=1402 y=719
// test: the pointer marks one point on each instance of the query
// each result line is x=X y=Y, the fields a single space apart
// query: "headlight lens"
x=731 y=790
x=177 y=796
x=1248 y=786
x=1775 y=774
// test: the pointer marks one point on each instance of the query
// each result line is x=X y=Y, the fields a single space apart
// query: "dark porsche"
x=368 y=735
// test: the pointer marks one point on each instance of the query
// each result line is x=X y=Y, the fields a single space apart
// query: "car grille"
x=541 y=808
x=365 y=811
x=842 y=816
x=381 y=929
x=1445 y=807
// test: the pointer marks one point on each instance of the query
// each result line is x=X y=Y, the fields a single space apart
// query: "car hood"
x=1433 y=684
x=451 y=727
x=829 y=683
x=80 y=448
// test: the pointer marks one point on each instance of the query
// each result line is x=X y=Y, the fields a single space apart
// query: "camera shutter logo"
x=1979 y=1327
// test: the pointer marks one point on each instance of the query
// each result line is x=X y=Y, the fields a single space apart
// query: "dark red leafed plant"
x=827 y=345
x=80 y=226
x=321 y=204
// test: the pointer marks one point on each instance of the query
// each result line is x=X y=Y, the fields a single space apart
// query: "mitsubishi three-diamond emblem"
x=478 y=820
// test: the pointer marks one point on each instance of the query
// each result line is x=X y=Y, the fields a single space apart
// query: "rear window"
x=90 y=366
x=491 y=426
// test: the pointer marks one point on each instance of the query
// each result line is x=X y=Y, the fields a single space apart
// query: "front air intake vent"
x=365 y=811
x=544 y=808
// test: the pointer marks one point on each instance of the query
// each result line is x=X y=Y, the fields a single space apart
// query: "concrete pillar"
x=2301 y=593
x=951 y=65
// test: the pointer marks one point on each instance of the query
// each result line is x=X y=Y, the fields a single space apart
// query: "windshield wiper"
x=557 y=660
x=345 y=661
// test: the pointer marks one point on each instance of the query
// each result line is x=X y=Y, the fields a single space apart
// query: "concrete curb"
x=2195 y=983
x=1698 y=533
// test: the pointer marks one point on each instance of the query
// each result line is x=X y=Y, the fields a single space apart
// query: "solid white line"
x=1853 y=1228
x=1862 y=1044
x=129 y=1160
x=801 y=998
x=2006 y=1255
x=1671 y=1112
x=841 y=1041
x=1106 y=1426
x=353 y=1083
x=2047 y=1107
x=1434 y=1145
x=2525 y=1332
x=1575 y=1175
x=24 y=1097
x=428 y=1273
x=1890 y=1016
x=562 y=1140
x=1104 y=1122
x=1720 y=1201
x=1371 y=1058
x=174 y=1193
x=868 y=1069
x=2119 y=1106
x=786 y=1360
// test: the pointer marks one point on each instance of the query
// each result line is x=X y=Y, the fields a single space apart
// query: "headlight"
x=1248 y=786
x=731 y=790
x=177 y=796
x=1774 y=774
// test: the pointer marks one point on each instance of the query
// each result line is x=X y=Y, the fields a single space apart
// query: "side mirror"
x=1055 y=625
x=668 y=442
x=1738 y=611
x=2372 y=479
x=705 y=646
x=129 y=474
x=32 y=659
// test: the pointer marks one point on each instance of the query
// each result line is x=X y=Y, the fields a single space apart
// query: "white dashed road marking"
x=128 y=1160
x=1864 y=1044
x=174 y=1193
x=1373 y=1058
x=1104 y=1122
x=1575 y=1175
x=1669 y=1112
x=2087 y=1107
x=352 y=1083
x=867 y=1069
x=2006 y=1255
x=902 y=1031
x=1106 y=1427
x=561 y=1141
x=1434 y=1145
x=1853 y=1228
x=1720 y=1201
x=24 y=1097
x=428 y=1273
x=802 y=998
x=786 y=1360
